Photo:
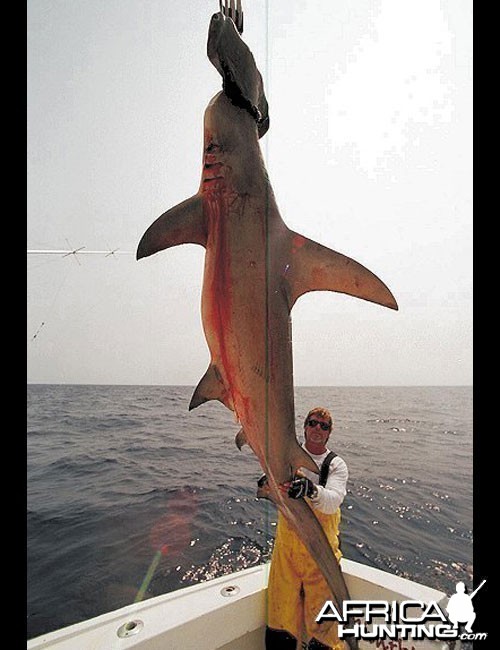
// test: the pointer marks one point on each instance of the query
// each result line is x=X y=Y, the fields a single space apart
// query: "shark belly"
x=246 y=323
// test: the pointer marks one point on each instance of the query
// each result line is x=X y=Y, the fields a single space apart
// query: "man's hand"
x=263 y=491
x=301 y=487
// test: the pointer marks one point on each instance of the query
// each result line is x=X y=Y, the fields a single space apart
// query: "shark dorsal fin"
x=241 y=439
x=182 y=224
x=300 y=458
x=314 y=267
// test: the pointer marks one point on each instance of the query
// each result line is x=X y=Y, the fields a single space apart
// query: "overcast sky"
x=369 y=152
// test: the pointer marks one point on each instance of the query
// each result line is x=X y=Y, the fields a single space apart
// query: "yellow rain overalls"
x=297 y=589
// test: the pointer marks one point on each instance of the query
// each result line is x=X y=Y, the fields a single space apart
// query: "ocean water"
x=131 y=496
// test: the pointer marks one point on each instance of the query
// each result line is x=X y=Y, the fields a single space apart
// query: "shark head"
x=241 y=80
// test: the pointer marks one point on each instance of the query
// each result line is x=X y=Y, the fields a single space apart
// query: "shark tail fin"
x=211 y=386
x=315 y=267
x=182 y=224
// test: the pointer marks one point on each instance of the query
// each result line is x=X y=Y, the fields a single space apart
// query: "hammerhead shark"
x=255 y=270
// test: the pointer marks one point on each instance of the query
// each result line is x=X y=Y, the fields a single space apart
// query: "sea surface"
x=131 y=496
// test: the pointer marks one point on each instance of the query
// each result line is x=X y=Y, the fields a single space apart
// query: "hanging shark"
x=255 y=270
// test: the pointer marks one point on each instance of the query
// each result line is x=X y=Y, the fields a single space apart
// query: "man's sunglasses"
x=312 y=423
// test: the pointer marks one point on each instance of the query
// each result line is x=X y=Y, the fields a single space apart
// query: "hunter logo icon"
x=460 y=608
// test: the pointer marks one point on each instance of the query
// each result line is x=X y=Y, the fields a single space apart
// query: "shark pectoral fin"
x=300 y=458
x=211 y=386
x=182 y=224
x=241 y=439
x=314 y=267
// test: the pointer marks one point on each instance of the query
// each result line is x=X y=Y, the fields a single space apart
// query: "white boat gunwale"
x=225 y=612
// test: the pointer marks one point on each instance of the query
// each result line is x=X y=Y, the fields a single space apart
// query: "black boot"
x=279 y=640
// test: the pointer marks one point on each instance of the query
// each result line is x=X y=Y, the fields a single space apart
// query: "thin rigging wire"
x=76 y=251
x=51 y=306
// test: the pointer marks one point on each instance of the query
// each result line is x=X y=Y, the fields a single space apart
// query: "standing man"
x=297 y=590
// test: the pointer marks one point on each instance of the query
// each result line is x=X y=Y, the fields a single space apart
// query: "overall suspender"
x=325 y=466
x=323 y=475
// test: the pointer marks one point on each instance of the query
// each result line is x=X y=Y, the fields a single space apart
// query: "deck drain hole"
x=130 y=628
x=232 y=590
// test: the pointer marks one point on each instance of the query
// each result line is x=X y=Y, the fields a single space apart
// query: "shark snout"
x=215 y=25
x=214 y=35
x=241 y=80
